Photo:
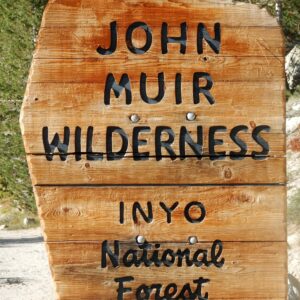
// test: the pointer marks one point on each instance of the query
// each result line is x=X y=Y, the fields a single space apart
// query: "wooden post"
x=155 y=138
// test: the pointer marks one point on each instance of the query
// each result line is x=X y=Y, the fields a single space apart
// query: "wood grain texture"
x=238 y=103
x=96 y=70
x=128 y=171
x=35 y=146
x=82 y=13
x=239 y=98
x=86 y=214
x=251 y=271
x=78 y=200
x=83 y=42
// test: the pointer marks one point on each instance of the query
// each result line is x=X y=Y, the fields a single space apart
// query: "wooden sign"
x=155 y=138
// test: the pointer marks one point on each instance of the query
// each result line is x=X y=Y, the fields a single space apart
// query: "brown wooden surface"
x=251 y=271
x=232 y=96
x=92 y=213
x=96 y=70
x=237 y=103
x=82 y=13
x=275 y=141
x=78 y=200
x=82 y=42
x=166 y=171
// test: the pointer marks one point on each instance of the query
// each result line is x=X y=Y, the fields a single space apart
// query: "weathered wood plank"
x=83 y=42
x=78 y=195
x=45 y=102
x=232 y=96
x=69 y=13
x=166 y=171
x=251 y=271
x=86 y=214
x=96 y=70
x=34 y=144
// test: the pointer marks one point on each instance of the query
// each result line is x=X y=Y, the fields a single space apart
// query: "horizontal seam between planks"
x=159 y=26
x=258 y=83
x=150 y=55
x=283 y=184
x=166 y=59
x=279 y=79
x=161 y=242
x=162 y=156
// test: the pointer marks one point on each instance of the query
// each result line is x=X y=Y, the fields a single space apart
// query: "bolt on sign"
x=155 y=137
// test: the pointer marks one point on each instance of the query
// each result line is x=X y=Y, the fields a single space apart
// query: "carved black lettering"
x=130 y=258
x=113 y=256
x=90 y=155
x=178 y=95
x=200 y=282
x=214 y=142
x=122 y=211
x=157 y=288
x=216 y=253
x=203 y=34
x=190 y=217
x=113 y=41
x=170 y=291
x=167 y=144
x=136 y=142
x=184 y=254
x=243 y=146
x=144 y=258
x=77 y=143
x=261 y=142
x=129 y=42
x=111 y=84
x=143 y=89
x=185 y=138
x=155 y=257
x=56 y=143
x=168 y=210
x=121 y=289
x=186 y=293
x=137 y=207
x=168 y=257
x=143 y=292
x=200 y=258
x=205 y=90
x=109 y=144
x=165 y=39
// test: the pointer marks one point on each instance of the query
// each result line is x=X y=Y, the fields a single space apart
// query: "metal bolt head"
x=134 y=118
x=140 y=239
x=190 y=116
x=193 y=240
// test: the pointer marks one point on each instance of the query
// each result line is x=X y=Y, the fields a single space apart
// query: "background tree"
x=288 y=13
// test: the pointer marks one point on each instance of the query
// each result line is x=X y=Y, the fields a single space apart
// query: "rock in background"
x=292 y=68
x=293 y=166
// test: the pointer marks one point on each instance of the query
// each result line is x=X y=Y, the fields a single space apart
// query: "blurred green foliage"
x=19 y=22
x=290 y=17
x=294 y=208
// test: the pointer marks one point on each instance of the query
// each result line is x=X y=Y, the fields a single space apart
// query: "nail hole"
x=140 y=239
x=190 y=116
x=134 y=118
x=193 y=240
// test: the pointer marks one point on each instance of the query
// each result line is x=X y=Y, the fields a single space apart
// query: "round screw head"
x=134 y=118
x=190 y=116
x=140 y=239
x=193 y=240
